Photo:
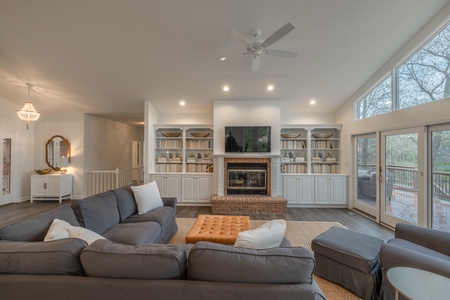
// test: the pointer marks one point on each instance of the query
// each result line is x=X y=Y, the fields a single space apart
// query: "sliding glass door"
x=401 y=177
x=439 y=181
x=365 y=149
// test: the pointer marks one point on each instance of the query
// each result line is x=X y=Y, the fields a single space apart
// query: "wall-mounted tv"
x=247 y=138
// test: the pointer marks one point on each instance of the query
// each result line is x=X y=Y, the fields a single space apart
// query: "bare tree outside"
x=423 y=78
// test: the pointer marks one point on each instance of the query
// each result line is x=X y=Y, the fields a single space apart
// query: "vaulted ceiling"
x=107 y=57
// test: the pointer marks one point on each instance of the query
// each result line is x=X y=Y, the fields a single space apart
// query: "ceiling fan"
x=259 y=47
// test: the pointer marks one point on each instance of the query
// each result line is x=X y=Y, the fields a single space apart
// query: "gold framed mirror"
x=57 y=152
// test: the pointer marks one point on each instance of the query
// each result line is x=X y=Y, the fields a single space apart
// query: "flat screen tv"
x=247 y=139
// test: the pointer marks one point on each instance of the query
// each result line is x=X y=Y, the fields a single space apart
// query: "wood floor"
x=11 y=213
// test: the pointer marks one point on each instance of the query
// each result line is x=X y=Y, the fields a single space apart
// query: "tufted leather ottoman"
x=217 y=229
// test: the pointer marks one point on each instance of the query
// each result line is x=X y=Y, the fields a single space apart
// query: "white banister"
x=103 y=180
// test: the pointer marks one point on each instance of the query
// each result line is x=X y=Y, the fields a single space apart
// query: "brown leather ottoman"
x=217 y=229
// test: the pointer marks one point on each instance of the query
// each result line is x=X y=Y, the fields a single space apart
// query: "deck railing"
x=103 y=180
x=406 y=178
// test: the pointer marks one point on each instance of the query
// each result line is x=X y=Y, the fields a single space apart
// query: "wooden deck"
x=403 y=205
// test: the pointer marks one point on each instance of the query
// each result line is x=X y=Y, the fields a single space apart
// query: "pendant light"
x=28 y=113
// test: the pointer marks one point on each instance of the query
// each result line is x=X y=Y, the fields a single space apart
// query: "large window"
x=378 y=101
x=424 y=77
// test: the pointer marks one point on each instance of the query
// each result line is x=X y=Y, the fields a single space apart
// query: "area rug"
x=299 y=234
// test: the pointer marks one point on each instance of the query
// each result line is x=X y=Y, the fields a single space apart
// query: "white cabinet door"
x=322 y=190
x=168 y=185
x=196 y=188
x=306 y=189
x=290 y=189
x=298 y=189
x=338 y=190
x=331 y=190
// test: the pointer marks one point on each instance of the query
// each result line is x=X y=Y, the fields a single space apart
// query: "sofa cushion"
x=35 y=228
x=147 y=197
x=125 y=202
x=161 y=215
x=59 y=257
x=404 y=244
x=134 y=233
x=98 y=212
x=268 y=235
x=225 y=263
x=107 y=259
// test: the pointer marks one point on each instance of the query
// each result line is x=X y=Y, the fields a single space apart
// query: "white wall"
x=246 y=113
x=22 y=151
x=70 y=125
x=108 y=144
x=288 y=118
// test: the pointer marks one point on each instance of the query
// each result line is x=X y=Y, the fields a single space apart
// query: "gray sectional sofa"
x=135 y=261
x=414 y=247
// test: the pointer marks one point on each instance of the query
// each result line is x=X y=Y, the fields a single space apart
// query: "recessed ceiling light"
x=270 y=87
x=182 y=103
x=223 y=58
x=312 y=102
x=226 y=88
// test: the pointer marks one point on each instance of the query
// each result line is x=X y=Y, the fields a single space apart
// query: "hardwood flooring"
x=11 y=213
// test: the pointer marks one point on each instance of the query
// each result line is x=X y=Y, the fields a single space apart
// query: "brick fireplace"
x=253 y=165
x=263 y=201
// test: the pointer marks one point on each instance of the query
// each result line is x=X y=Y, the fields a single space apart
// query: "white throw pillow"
x=85 y=234
x=268 y=235
x=58 y=230
x=63 y=230
x=147 y=197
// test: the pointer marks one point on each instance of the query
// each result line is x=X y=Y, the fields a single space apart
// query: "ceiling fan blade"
x=281 y=53
x=233 y=56
x=255 y=63
x=280 y=33
x=240 y=38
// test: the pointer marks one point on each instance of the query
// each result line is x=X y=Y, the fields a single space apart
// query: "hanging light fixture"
x=28 y=113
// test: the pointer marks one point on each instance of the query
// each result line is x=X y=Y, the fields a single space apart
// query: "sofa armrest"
x=393 y=256
x=430 y=238
x=170 y=201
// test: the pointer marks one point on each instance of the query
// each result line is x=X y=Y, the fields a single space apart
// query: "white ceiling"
x=109 y=56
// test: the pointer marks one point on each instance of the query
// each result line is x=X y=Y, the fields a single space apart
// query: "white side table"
x=418 y=284
x=51 y=187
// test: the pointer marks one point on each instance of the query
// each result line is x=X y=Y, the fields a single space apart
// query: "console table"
x=418 y=284
x=51 y=187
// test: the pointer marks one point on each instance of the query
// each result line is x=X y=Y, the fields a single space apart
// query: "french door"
x=401 y=177
x=439 y=179
x=366 y=154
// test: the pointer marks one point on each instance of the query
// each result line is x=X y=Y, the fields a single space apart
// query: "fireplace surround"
x=266 y=202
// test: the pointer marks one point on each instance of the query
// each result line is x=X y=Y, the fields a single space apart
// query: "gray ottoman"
x=350 y=259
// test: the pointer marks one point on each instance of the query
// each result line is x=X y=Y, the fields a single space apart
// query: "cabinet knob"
x=45 y=185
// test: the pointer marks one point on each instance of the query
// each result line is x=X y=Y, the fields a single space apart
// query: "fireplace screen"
x=246 y=180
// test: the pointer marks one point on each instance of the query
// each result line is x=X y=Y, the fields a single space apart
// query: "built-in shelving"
x=185 y=149
x=310 y=150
